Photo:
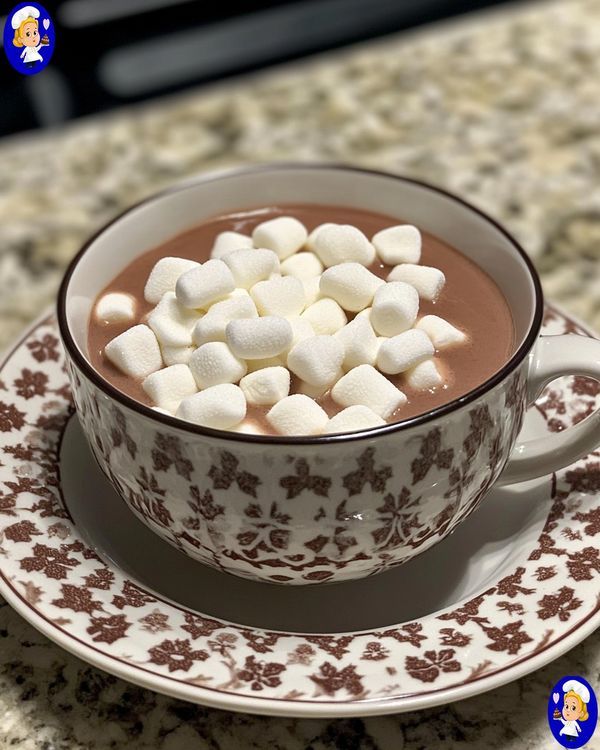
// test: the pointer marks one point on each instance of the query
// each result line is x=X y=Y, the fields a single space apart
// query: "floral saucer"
x=514 y=587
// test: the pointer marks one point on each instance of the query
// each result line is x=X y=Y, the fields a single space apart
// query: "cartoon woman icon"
x=27 y=35
x=574 y=710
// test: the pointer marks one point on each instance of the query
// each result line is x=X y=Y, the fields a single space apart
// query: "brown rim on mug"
x=84 y=365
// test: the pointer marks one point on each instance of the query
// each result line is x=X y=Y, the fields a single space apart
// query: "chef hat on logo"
x=579 y=688
x=20 y=15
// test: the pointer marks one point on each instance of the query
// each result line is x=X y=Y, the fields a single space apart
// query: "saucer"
x=514 y=587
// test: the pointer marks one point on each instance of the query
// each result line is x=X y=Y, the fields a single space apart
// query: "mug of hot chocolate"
x=308 y=373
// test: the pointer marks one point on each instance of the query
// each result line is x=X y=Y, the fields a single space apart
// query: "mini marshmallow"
x=260 y=364
x=441 y=333
x=366 y=386
x=285 y=235
x=282 y=296
x=302 y=266
x=214 y=363
x=202 y=286
x=395 y=308
x=237 y=292
x=424 y=376
x=301 y=329
x=353 y=418
x=212 y=326
x=115 y=307
x=317 y=360
x=167 y=387
x=247 y=427
x=221 y=407
x=135 y=352
x=312 y=291
x=399 y=244
x=351 y=285
x=259 y=338
x=172 y=324
x=227 y=242
x=360 y=343
x=317 y=391
x=310 y=240
x=267 y=386
x=325 y=316
x=248 y=267
x=176 y=355
x=341 y=243
x=428 y=281
x=163 y=277
x=406 y=350
x=226 y=297
x=297 y=415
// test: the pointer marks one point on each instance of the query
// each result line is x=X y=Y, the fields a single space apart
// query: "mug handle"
x=554 y=357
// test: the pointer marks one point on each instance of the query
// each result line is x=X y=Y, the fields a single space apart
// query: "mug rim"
x=188 y=427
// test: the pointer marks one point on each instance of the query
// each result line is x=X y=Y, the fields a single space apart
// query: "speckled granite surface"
x=504 y=109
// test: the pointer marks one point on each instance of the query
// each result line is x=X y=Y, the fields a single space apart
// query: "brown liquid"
x=470 y=300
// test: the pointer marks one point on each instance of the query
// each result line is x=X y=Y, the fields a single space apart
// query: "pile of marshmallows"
x=227 y=333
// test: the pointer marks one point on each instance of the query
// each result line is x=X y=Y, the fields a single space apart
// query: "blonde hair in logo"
x=19 y=32
x=582 y=706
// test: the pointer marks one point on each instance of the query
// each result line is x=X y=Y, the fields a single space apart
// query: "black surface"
x=232 y=38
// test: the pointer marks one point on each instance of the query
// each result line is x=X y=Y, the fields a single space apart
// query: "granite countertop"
x=502 y=108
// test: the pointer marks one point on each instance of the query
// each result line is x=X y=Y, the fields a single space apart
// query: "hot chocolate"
x=478 y=337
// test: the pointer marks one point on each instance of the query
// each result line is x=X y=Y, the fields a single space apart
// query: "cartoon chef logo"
x=28 y=38
x=572 y=712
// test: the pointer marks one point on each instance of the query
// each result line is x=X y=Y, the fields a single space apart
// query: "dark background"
x=114 y=52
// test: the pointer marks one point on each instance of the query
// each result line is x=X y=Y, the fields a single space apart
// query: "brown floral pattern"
x=155 y=622
x=561 y=604
x=227 y=472
x=396 y=519
x=44 y=348
x=168 y=452
x=108 y=629
x=119 y=431
x=428 y=668
x=176 y=655
x=431 y=454
x=267 y=531
x=131 y=596
x=77 y=599
x=331 y=679
x=303 y=480
x=11 y=418
x=367 y=474
x=261 y=674
x=525 y=610
x=23 y=531
x=54 y=563
x=31 y=384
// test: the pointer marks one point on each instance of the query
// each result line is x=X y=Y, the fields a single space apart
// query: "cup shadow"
x=482 y=546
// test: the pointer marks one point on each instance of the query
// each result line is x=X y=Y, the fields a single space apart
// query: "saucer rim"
x=228 y=701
